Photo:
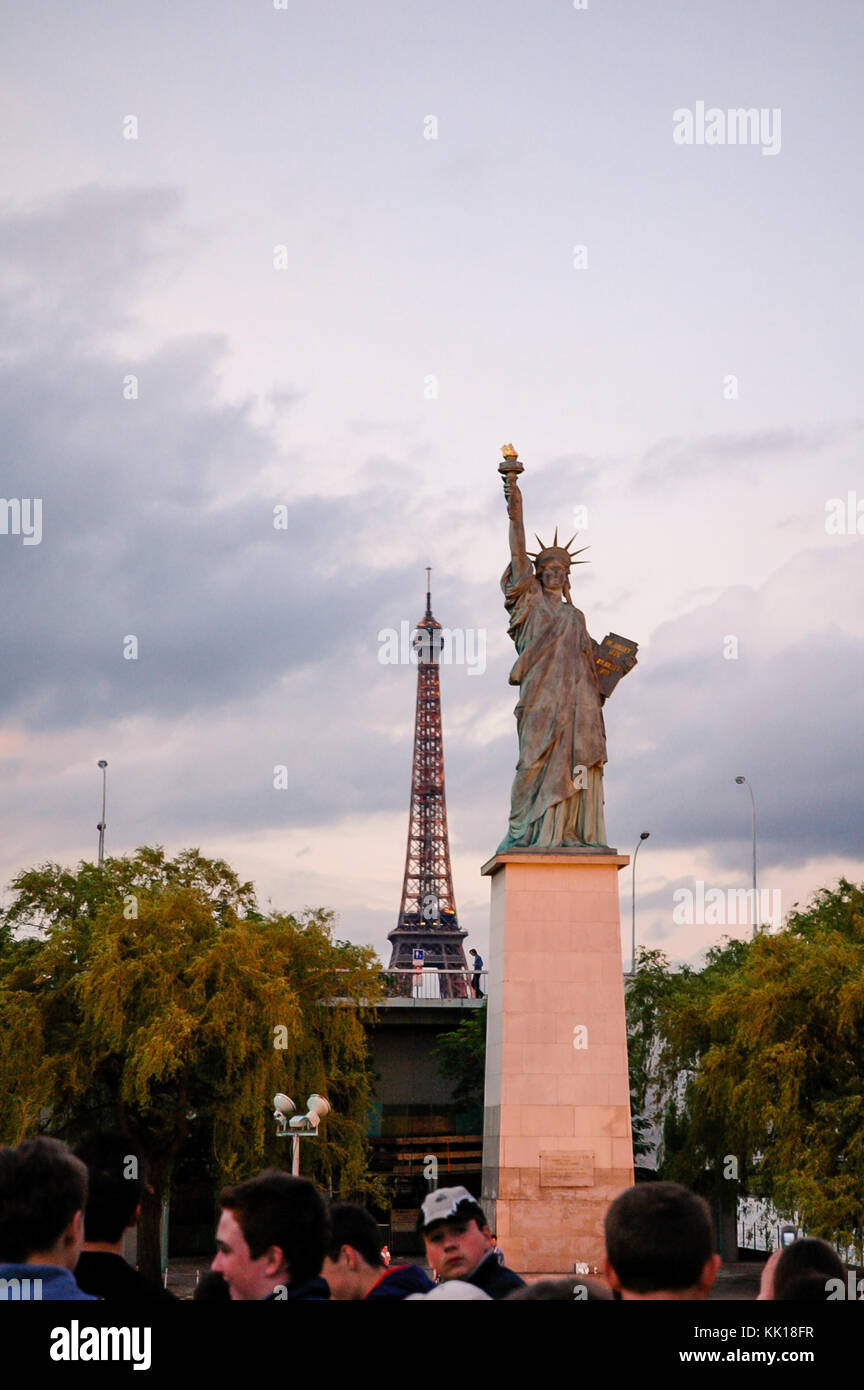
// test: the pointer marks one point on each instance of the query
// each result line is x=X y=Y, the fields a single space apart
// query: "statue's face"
x=552 y=576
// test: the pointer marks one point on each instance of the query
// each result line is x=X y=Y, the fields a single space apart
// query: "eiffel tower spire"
x=427 y=913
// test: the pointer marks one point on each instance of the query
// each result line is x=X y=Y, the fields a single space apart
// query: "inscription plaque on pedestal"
x=567 y=1170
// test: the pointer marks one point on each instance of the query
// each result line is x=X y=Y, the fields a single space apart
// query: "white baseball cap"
x=453 y=1290
x=449 y=1204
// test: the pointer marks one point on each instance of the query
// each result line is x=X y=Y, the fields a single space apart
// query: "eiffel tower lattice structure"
x=427 y=914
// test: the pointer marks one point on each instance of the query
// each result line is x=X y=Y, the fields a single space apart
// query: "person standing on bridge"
x=475 y=978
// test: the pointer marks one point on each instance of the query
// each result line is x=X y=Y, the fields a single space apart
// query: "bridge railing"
x=428 y=982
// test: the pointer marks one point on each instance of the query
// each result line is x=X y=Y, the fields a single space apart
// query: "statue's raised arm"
x=518 y=552
x=509 y=468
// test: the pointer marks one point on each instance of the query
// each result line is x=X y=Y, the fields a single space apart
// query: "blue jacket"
x=309 y=1290
x=57 y=1284
x=399 y=1282
x=494 y=1278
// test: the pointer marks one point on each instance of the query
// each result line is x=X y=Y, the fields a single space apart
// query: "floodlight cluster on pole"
x=298 y=1126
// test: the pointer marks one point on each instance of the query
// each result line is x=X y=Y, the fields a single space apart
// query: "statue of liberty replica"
x=564 y=678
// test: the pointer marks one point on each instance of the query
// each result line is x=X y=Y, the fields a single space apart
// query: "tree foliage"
x=650 y=990
x=759 y=1057
x=154 y=995
x=461 y=1057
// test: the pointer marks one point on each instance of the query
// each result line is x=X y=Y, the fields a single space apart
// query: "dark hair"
x=277 y=1209
x=113 y=1196
x=561 y=1291
x=806 y=1257
x=658 y=1236
x=42 y=1186
x=807 y=1287
x=352 y=1225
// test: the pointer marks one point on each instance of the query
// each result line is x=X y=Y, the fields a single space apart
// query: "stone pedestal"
x=557 y=1144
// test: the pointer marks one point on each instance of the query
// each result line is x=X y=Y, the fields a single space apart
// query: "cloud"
x=785 y=713
x=677 y=457
x=158 y=511
x=70 y=268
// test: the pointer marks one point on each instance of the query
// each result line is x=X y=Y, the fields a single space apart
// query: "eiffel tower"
x=427 y=914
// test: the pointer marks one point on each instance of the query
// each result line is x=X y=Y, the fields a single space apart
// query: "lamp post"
x=298 y=1126
x=742 y=782
x=101 y=826
x=644 y=836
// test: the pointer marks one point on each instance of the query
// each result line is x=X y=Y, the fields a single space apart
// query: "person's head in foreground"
x=459 y=1242
x=802 y=1272
x=43 y=1194
x=354 y=1265
x=455 y=1232
x=659 y=1244
x=271 y=1237
x=114 y=1189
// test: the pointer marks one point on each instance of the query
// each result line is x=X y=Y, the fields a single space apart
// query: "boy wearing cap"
x=459 y=1242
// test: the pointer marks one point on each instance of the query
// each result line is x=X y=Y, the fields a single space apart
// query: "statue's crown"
x=562 y=554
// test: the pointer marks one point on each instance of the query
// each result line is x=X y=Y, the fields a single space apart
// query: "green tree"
x=461 y=1057
x=758 y=1055
x=154 y=995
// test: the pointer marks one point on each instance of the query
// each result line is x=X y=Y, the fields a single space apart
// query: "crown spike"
x=567 y=556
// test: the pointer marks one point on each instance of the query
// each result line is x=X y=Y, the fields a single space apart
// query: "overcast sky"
x=339 y=264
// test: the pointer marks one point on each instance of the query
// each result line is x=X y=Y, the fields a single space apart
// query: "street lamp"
x=644 y=836
x=101 y=826
x=742 y=782
x=298 y=1126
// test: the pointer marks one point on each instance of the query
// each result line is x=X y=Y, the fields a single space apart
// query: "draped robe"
x=559 y=720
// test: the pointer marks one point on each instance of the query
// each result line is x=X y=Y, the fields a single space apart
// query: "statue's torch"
x=509 y=467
